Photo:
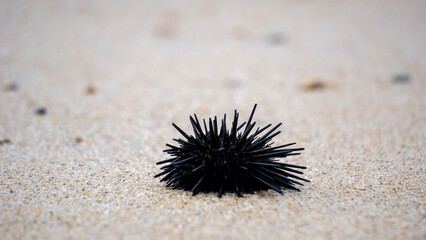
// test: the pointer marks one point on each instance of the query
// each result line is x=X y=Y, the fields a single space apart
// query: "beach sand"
x=89 y=90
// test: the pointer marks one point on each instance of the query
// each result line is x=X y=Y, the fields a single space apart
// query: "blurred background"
x=93 y=86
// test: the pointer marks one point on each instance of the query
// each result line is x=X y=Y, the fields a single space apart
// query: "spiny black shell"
x=219 y=160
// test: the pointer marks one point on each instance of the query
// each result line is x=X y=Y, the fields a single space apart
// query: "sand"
x=347 y=79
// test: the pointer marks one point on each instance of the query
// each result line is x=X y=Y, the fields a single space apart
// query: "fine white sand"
x=114 y=75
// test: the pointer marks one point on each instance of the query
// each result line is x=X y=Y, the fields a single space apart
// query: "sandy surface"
x=113 y=77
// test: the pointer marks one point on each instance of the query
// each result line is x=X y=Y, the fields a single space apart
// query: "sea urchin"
x=216 y=160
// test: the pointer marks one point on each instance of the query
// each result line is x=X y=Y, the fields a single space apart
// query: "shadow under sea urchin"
x=219 y=160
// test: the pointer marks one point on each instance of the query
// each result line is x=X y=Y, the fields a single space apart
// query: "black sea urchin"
x=216 y=160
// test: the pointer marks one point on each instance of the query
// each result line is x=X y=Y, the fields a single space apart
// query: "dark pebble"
x=313 y=84
x=401 y=78
x=41 y=111
x=276 y=39
x=5 y=141
x=11 y=87
x=90 y=89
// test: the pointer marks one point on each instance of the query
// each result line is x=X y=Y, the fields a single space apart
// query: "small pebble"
x=313 y=84
x=5 y=141
x=41 y=111
x=11 y=87
x=78 y=139
x=276 y=39
x=90 y=90
x=401 y=78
